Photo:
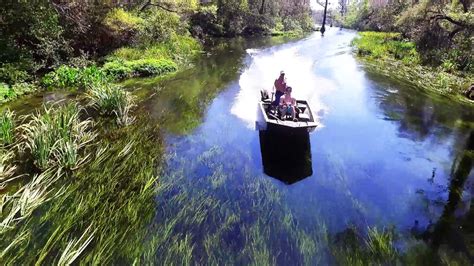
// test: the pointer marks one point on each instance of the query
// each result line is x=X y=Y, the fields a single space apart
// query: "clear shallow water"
x=383 y=155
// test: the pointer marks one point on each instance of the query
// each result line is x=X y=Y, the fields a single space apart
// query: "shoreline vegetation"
x=393 y=56
x=426 y=43
x=74 y=46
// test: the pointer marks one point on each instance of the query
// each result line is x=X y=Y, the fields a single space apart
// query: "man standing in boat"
x=280 y=87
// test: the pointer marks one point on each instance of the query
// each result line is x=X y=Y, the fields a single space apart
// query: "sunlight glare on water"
x=261 y=73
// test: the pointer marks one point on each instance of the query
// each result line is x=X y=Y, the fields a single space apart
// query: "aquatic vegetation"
x=6 y=169
x=390 y=55
x=75 y=247
x=381 y=244
x=103 y=214
x=74 y=77
x=386 y=44
x=7 y=127
x=57 y=136
x=139 y=68
x=243 y=222
x=19 y=206
x=112 y=100
x=8 y=93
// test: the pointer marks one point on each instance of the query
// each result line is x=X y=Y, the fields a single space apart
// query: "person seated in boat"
x=288 y=104
x=280 y=88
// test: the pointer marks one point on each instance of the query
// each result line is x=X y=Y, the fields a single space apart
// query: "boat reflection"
x=286 y=156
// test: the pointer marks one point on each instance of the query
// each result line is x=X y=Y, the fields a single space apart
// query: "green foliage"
x=159 y=26
x=121 y=20
x=118 y=69
x=112 y=100
x=139 y=68
x=7 y=127
x=8 y=93
x=74 y=77
x=152 y=67
x=179 y=49
x=291 y=24
x=62 y=77
x=382 y=45
x=57 y=137
x=357 y=12
x=252 y=17
x=12 y=73
x=441 y=31
x=33 y=32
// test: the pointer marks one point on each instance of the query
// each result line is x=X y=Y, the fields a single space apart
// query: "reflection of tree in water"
x=456 y=233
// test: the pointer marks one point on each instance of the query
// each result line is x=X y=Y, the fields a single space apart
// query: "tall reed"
x=6 y=169
x=57 y=136
x=7 y=127
x=112 y=100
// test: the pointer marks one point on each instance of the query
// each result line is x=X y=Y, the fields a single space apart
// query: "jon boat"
x=304 y=116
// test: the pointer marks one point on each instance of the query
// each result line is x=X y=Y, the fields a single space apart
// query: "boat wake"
x=264 y=68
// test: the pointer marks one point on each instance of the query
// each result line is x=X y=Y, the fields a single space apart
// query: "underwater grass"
x=103 y=210
x=7 y=170
x=241 y=222
x=20 y=205
x=7 y=127
x=56 y=137
x=112 y=100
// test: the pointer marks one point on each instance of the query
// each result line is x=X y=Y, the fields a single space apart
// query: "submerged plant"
x=380 y=244
x=103 y=215
x=7 y=126
x=75 y=247
x=57 y=136
x=22 y=203
x=112 y=100
x=6 y=170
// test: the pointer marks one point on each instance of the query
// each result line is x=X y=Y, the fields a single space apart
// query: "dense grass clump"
x=178 y=49
x=377 y=247
x=7 y=127
x=74 y=77
x=386 y=44
x=56 y=137
x=112 y=100
x=139 y=68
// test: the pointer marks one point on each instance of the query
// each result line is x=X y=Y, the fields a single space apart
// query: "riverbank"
x=392 y=56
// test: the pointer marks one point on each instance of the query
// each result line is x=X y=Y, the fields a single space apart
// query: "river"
x=385 y=155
